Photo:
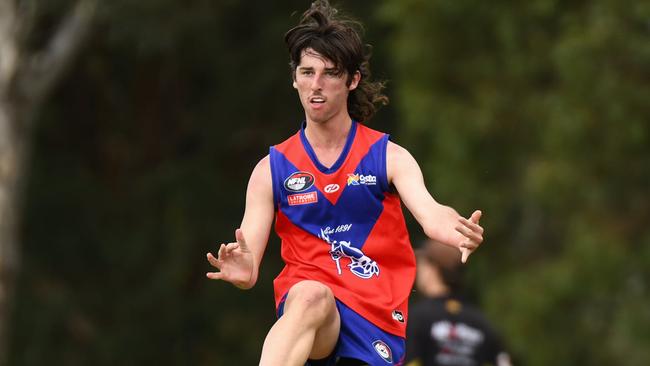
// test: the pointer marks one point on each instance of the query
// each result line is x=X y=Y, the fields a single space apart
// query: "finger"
x=213 y=261
x=231 y=246
x=476 y=216
x=471 y=225
x=214 y=275
x=471 y=235
x=222 y=252
x=239 y=235
x=469 y=245
x=464 y=254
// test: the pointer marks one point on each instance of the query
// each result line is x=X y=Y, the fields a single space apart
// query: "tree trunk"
x=11 y=154
x=26 y=78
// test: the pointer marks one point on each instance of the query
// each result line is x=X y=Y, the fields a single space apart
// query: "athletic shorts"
x=360 y=340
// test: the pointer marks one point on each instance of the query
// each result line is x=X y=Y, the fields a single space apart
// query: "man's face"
x=426 y=274
x=322 y=89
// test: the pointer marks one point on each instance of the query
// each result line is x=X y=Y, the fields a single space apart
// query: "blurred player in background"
x=443 y=330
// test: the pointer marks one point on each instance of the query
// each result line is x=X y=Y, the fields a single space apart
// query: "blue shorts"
x=361 y=340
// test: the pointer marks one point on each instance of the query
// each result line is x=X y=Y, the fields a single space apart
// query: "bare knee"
x=311 y=306
x=312 y=300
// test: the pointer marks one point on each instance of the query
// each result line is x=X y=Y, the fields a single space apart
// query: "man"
x=332 y=189
x=443 y=330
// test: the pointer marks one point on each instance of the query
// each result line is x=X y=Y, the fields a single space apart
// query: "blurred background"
x=126 y=145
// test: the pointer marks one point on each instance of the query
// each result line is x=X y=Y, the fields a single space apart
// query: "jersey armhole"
x=385 y=185
x=274 y=182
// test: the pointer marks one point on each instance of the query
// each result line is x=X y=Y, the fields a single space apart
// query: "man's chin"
x=318 y=118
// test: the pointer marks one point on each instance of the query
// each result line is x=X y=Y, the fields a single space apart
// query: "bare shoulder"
x=264 y=164
x=261 y=174
x=396 y=155
x=394 y=148
x=398 y=161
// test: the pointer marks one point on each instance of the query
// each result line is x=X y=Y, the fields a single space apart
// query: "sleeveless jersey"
x=343 y=226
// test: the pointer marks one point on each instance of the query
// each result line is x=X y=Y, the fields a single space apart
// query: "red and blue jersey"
x=343 y=226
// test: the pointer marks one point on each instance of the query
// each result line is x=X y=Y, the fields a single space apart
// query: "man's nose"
x=317 y=82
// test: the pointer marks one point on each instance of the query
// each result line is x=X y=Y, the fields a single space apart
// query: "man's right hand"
x=234 y=262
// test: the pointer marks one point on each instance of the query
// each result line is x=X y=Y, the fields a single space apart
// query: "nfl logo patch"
x=383 y=350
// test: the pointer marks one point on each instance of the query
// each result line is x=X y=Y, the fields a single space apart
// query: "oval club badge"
x=299 y=181
x=383 y=350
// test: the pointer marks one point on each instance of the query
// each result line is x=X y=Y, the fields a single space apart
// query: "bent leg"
x=309 y=327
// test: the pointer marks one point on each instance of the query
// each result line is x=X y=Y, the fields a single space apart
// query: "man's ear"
x=356 y=78
x=295 y=86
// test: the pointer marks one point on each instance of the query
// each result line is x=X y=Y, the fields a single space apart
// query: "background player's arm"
x=439 y=222
x=238 y=262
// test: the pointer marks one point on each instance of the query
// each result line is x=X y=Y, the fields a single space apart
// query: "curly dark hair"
x=339 y=40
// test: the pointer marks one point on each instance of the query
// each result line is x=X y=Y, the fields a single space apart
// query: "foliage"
x=537 y=113
x=140 y=167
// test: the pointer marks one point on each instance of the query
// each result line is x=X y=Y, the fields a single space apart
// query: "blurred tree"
x=538 y=113
x=29 y=68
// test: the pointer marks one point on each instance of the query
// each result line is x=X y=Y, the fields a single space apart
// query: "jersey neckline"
x=312 y=154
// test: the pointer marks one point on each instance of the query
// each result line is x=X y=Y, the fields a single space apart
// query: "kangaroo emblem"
x=360 y=264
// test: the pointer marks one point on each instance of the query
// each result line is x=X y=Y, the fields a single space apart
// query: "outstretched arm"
x=238 y=262
x=439 y=222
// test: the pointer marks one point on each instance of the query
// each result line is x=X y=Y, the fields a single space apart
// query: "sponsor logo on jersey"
x=357 y=179
x=458 y=340
x=331 y=188
x=383 y=350
x=397 y=315
x=299 y=181
x=445 y=331
x=302 y=198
